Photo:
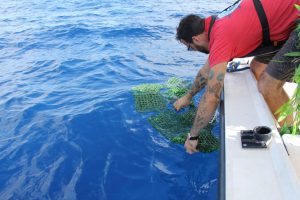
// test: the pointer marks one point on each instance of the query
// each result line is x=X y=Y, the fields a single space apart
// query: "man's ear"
x=197 y=39
x=200 y=38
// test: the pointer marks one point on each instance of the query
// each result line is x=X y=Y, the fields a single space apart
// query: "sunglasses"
x=189 y=48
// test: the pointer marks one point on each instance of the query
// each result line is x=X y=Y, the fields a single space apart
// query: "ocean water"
x=68 y=126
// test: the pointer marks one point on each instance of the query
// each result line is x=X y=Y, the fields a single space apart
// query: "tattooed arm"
x=199 y=82
x=208 y=104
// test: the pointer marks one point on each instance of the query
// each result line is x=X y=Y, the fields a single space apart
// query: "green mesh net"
x=207 y=142
x=177 y=88
x=154 y=97
x=175 y=93
x=170 y=124
x=148 y=88
x=147 y=97
x=175 y=82
x=146 y=102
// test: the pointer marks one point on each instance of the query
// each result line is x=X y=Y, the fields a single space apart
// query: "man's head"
x=191 y=33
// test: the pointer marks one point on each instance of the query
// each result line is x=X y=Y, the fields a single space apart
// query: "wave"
x=68 y=31
x=130 y=32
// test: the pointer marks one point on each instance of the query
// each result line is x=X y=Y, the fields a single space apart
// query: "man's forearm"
x=210 y=100
x=200 y=81
x=206 y=110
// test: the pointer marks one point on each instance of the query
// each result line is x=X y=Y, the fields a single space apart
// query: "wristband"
x=193 y=137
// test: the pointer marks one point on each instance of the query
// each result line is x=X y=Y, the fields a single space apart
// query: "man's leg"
x=260 y=62
x=257 y=67
x=274 y=94
x=278 y=71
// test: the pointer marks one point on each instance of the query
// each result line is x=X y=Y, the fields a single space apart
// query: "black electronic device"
x=259 y=137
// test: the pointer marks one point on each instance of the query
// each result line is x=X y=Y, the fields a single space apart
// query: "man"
x=249 y=27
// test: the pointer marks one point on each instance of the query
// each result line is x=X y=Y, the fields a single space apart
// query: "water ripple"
x=130 y=32
x=68 y=125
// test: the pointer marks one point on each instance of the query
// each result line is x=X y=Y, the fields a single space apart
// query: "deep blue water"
x=68 y=126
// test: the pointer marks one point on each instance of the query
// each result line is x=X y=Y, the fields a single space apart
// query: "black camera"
x=259 y=137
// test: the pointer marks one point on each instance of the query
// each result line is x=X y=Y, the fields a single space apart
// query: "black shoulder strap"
x=264 y=22
x=212 y=21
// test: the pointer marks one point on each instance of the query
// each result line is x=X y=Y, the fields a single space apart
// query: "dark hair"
x=190 y=26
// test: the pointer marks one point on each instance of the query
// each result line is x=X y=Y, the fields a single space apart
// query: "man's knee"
x=257 y=68
x=267 y=85
x=256 y=64
x=262 y=84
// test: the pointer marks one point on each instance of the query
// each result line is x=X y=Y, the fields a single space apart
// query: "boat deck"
x=253 y=173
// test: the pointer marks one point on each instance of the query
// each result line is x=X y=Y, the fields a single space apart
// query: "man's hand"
x=182 y=102
x=199 y=83
x=191 y=146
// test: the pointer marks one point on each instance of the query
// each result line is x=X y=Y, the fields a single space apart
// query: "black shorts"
x=282 y=67
x=266 y=58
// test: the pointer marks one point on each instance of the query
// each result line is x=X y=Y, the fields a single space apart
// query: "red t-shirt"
x=238 y=33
